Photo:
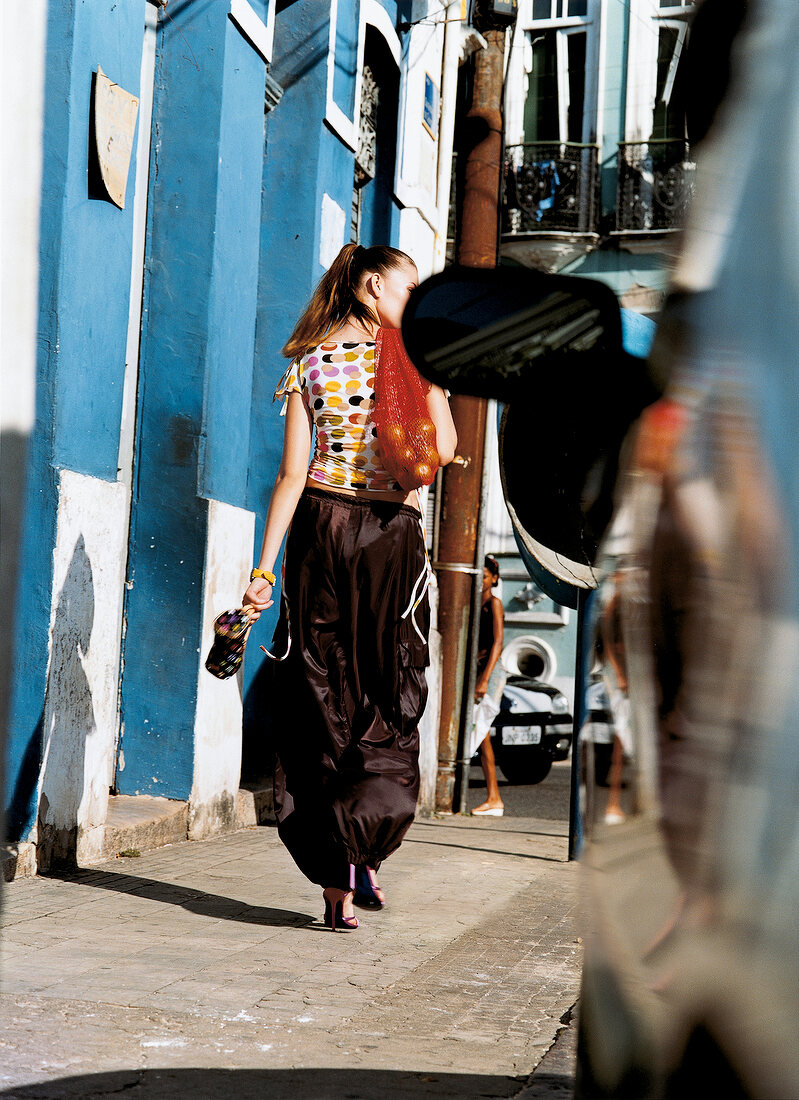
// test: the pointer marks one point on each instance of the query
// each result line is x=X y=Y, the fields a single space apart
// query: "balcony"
x=550 y=188
x=655 y=186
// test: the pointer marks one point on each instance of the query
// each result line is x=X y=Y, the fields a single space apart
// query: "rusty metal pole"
x=458 y=568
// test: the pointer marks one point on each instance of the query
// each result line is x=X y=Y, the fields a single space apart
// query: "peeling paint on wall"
x=80 y=713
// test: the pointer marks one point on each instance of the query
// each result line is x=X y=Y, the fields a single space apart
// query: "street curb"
x=553 y=1077
x=140 y=823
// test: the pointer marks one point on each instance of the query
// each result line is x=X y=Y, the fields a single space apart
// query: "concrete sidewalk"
x=203 y=969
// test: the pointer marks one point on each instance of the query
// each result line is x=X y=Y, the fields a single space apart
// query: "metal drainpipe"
x=464 y=761
x=462 y=481
x=449 y=86
x=456 y=570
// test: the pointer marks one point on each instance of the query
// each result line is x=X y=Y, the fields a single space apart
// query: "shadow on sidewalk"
x=489 y=851
x=489 y=825
x=278 y=1084
x=195 y=901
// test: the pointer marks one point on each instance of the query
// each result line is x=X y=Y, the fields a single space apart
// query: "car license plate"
x=521 y=735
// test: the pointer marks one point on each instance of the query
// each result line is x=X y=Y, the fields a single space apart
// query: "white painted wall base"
x=80 y=712
x=217 y=727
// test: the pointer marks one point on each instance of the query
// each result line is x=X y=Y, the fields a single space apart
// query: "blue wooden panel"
x=196 y=368
x=233 y=297
x=86 y=280
x=85 y=263
x=300 y=164
x=345 y=66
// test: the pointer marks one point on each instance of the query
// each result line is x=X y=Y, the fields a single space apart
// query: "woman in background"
x=489 y=650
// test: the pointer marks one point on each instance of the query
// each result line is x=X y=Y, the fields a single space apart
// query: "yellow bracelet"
x=267 y=576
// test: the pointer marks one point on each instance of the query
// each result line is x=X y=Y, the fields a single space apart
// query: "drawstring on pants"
x=417 y=596
x=424 y=577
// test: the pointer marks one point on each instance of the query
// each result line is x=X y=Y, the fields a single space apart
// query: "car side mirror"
x=496 y=333
x=551 y=348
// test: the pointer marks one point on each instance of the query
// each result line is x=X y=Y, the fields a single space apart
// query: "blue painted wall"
x=305 y=159
x=195 y=372
x=233 y=291
x=346 y=55
x=83 y=313
x=232 y=256
x=296 y=142
x=90 y=238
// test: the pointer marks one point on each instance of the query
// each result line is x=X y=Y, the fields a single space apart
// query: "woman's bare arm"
x=441 y=415
x=289 y=484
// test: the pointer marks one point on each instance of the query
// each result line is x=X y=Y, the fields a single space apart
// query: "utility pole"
x=458 y=569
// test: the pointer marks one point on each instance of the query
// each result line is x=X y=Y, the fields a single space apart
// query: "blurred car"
x=691 y=974
x=532 y=729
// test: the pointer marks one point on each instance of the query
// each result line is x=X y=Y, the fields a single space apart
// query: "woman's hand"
x=258 y=596
x=480 y=689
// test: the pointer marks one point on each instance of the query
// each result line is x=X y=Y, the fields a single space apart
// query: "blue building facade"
x=267 y=135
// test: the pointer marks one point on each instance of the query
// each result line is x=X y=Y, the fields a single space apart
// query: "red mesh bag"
x=406 y=436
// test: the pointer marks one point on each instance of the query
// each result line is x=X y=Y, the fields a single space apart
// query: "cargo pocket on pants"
x=413 y=658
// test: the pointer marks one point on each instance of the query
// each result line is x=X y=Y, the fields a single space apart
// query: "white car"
x=533 y=728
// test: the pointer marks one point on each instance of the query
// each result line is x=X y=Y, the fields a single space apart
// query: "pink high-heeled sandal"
x=334 y=915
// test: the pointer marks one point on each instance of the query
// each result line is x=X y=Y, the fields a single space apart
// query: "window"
x=556 y=55
x=671 y=23
x=559 y=9
x=656 y=173
x=555 y=100
x=668 y=119
x=541 y=105
x=655 y=108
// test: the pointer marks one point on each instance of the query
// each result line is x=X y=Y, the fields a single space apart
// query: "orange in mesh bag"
x=406 y=436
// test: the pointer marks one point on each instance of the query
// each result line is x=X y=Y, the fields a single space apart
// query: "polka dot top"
x=337 y=383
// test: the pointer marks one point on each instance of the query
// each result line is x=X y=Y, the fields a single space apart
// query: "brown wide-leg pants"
x=352 y=689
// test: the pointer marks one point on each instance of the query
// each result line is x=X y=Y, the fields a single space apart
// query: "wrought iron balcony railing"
x=655 y=185
x=550 y=186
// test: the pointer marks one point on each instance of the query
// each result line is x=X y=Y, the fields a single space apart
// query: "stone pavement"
x=203 y=969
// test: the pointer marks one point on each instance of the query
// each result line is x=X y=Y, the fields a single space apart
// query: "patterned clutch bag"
x=231 y=630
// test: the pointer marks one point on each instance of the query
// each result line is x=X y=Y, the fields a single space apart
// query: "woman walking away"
x=354 y=610
x=489 y=649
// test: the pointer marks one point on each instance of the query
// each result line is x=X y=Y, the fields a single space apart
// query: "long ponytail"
x=336 y=295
